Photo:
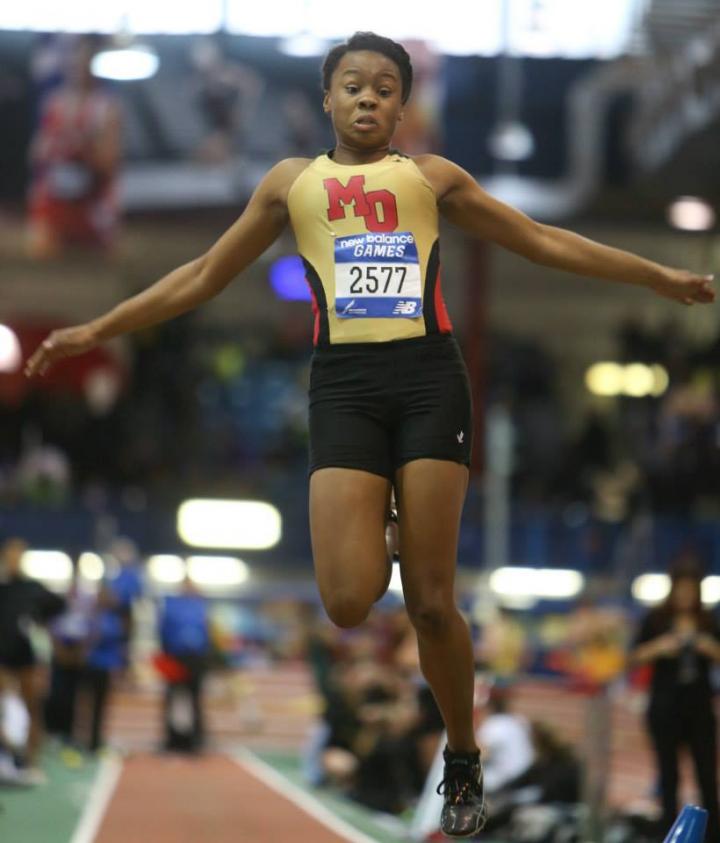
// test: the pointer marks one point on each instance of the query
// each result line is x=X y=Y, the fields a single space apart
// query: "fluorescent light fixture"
x=303 y=45
x=604 y=378
x=711 y=590
x=52 y=566
x=91 y=566
x=536 y=583
x=166 y=569
x=125 y=65
x=237 y=524
x=10 y=353
x=395 y=579
x=634 y=380
x=690 y=213
x=217 y=571
x=651 y=588
x=511 y=140
x=638 y=380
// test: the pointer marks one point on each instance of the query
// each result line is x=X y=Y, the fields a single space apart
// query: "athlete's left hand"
x=685 y=287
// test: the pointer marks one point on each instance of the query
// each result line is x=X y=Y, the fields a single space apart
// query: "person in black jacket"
x=22 y=602
x=681 y=640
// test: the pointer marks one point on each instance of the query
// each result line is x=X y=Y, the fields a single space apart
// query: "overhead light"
x=690 y=213
x=634 y=380
x=303 y=45
x=10 y=353
x=50 y=566
x=166 y=569
x=218 y=571
x=604 y=379
x=511 y=141
x=237 y=524
x=91 y=566
x=651 y=588
x=711 y=590
x=536 y=583
x=127 y=64
x=638 y=380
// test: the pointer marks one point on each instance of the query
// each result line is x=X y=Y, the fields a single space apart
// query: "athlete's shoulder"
x=433 y=164
x=278 y=180
x=288 y=169
x=441 y=173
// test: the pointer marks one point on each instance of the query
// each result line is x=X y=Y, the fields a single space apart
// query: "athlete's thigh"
x=431 y=494
x=348 y=511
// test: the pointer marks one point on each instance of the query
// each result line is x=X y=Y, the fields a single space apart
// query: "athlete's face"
x=364 y=99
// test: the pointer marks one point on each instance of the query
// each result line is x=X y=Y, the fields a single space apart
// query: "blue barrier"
x=689 y=827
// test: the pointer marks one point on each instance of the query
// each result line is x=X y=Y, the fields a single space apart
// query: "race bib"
x=377 y=275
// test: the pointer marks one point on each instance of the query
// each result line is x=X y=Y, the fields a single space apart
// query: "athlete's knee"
x=346 y=609
x=432 y=615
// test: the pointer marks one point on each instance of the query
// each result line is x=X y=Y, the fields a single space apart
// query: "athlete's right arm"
x=190 y=285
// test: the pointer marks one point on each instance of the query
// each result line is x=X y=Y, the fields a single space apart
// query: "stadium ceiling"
x=557 y=28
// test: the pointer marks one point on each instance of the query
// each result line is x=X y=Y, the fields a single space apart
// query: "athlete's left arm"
x=462 y=201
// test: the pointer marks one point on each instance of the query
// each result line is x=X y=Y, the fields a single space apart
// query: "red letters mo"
x=366 y=205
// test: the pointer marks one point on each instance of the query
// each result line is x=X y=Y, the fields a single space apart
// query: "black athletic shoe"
x=464 y=813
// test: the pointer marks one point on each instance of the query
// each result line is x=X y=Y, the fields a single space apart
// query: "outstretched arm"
x=189 y=285
x=465 y=203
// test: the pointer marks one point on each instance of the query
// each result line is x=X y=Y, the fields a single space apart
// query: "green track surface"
x=355 y=815
x=49 y=812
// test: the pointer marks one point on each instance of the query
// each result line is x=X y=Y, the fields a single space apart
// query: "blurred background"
x=168 y=672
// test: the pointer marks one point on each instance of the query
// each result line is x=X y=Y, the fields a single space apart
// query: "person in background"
x=185 y=638
x=106 y=655
x=681 y=640
x=126 y=583
x=506 y=740
x=24 y=601
x=70 y=632
x=74 y=159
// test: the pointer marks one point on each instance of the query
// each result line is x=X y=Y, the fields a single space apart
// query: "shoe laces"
x=459 y=785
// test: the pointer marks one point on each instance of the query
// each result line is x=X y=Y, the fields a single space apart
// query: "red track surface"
x=206 y=800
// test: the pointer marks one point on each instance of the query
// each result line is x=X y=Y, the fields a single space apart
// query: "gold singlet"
x=368 y=237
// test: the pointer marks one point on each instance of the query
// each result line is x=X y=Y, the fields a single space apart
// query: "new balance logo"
x=405 y=308
x=460 y=437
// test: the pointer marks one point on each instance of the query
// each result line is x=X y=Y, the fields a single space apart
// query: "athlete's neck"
x=344 y=154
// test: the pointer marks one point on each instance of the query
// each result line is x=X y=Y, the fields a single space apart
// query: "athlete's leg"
x=348 y=511
x=431 y=495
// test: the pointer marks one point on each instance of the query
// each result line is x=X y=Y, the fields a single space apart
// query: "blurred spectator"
x=14 y=730
x=70 y=635
x=106 y=655
x=126 y=583
x=553 y=779
x=23 y=602
x=302 y=127
x=420 y=129
x=506 y=742
x=74 y=159
x=503 y=646
x=681 y=640
x=186 y=645
x=227 y=94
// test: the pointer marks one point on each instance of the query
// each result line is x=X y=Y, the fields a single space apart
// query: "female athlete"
x=389 y=397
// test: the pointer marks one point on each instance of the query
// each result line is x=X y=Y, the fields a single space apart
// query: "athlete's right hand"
x=65 y=342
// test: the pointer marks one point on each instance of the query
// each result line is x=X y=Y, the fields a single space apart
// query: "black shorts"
x=377 y=407
x=17 y=653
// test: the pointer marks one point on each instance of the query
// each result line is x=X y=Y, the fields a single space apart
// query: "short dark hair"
x=375 y=44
